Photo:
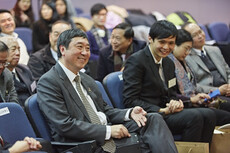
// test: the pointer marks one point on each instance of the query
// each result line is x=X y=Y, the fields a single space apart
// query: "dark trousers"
x=194 y=124
x=155 y=137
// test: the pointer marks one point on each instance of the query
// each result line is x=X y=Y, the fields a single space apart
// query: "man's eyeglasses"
x=4 y=64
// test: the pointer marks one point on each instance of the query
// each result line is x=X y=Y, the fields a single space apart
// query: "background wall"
x=204 y=11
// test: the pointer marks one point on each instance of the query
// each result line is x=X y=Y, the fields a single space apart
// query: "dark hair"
x=4 y=11
x=183 y=36
x=66 y=11
x=162 y=29
x=65 y=38
x=96 y=8
x=129 y=33
x=3 y=47
x=17 y=12
x=52 y=6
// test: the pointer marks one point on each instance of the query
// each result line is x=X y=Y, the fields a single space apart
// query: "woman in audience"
x=61 y=7
x=186 y=82
x=23 y=13
x=41 y=28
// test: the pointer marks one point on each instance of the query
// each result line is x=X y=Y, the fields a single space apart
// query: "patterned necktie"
x=202 y=54
x=109 y=145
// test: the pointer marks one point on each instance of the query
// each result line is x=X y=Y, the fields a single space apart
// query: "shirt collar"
x=198 y=51
x=69 y=73
x=15 y=35
x=155 y=60
x=54 y=54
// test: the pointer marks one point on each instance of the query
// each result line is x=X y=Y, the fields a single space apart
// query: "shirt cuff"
x=108 y=132
x=127 y=115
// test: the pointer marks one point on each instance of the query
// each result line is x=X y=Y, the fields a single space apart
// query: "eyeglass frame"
x=5 y=64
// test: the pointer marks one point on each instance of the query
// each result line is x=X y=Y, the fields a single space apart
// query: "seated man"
x=98 y=35
x=207 y=64
x=149 y=82
x=7 y=89
x=28 y=144
x=112 y=58
x=7 y=26
x=42 y=61
x=75 y=110
x=23 y=81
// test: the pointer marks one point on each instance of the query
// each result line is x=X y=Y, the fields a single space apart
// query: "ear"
x=62 y=50
x=130 y=40
x=150 y=39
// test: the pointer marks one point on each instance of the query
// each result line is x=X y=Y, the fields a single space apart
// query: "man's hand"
x=119 y=131
x=225 y=90
x=138 y=115
x=175 y=106
x=199 y=98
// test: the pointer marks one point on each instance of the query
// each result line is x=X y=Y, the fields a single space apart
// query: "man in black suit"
x=112 y=57
x=75 y=110
x=149 y=82
x=23 y=81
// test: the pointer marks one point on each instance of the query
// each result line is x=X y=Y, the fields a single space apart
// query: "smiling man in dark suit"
x=75 y=110
x=150 y=82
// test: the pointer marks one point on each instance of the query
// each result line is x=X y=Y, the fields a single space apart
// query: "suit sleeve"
x=132 y=76
x=12 y=94
x=35 y=66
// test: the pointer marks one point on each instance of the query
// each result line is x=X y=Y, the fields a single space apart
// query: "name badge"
x=172 y=83
x=4 y=111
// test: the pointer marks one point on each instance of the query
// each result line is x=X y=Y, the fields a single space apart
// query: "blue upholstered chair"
x=113 y=84
x=104 y=94
x=26 y=35
x=220 y=32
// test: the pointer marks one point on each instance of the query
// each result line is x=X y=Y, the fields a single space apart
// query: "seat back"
x=26 y=35
x=104 y=94
x=36 y=118
x=219 y=31
x=14 y=124
x=204 y=28
x=113 y=84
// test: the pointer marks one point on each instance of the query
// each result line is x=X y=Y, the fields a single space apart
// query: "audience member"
x=42 y=61
x=7 y=26
x=23 y=81
x=98 y=35
x=207 y=64
x=149 y=82
x=28 y=144
x=42 y=27
x=23 y=13
x=71 y=98
x=7 y=89
x=186 y=83
x=61 y=7
x=112 y=57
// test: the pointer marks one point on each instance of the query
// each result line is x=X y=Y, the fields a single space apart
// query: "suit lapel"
x=216 y=62
x=67 y=84
x=198 y=60
x=24 y=78
x=154 y=69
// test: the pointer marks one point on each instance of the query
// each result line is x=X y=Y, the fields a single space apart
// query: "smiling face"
x=180 y=52
x=119 y=42
x=7 y=23
x=162 y=47
x=76 y=56
x=56 y=30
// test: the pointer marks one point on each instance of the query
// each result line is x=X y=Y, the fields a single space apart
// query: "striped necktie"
x=109 y=145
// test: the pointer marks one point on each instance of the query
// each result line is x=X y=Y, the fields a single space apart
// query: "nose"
x=166 y=46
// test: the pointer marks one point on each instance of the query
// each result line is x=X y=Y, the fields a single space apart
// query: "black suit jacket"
x=143 y=85
x=106 y=63
x=41 y=62
x=66 y=114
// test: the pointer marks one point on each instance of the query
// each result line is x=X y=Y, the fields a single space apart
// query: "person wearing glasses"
x=7 y=89
x=185 y=78
x=210 y=70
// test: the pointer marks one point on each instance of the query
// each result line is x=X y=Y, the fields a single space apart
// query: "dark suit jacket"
x=142 y=83
x=26 y=78
x=106 y=63
x=7 y=89
x=64 y=111
x=41 y=62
